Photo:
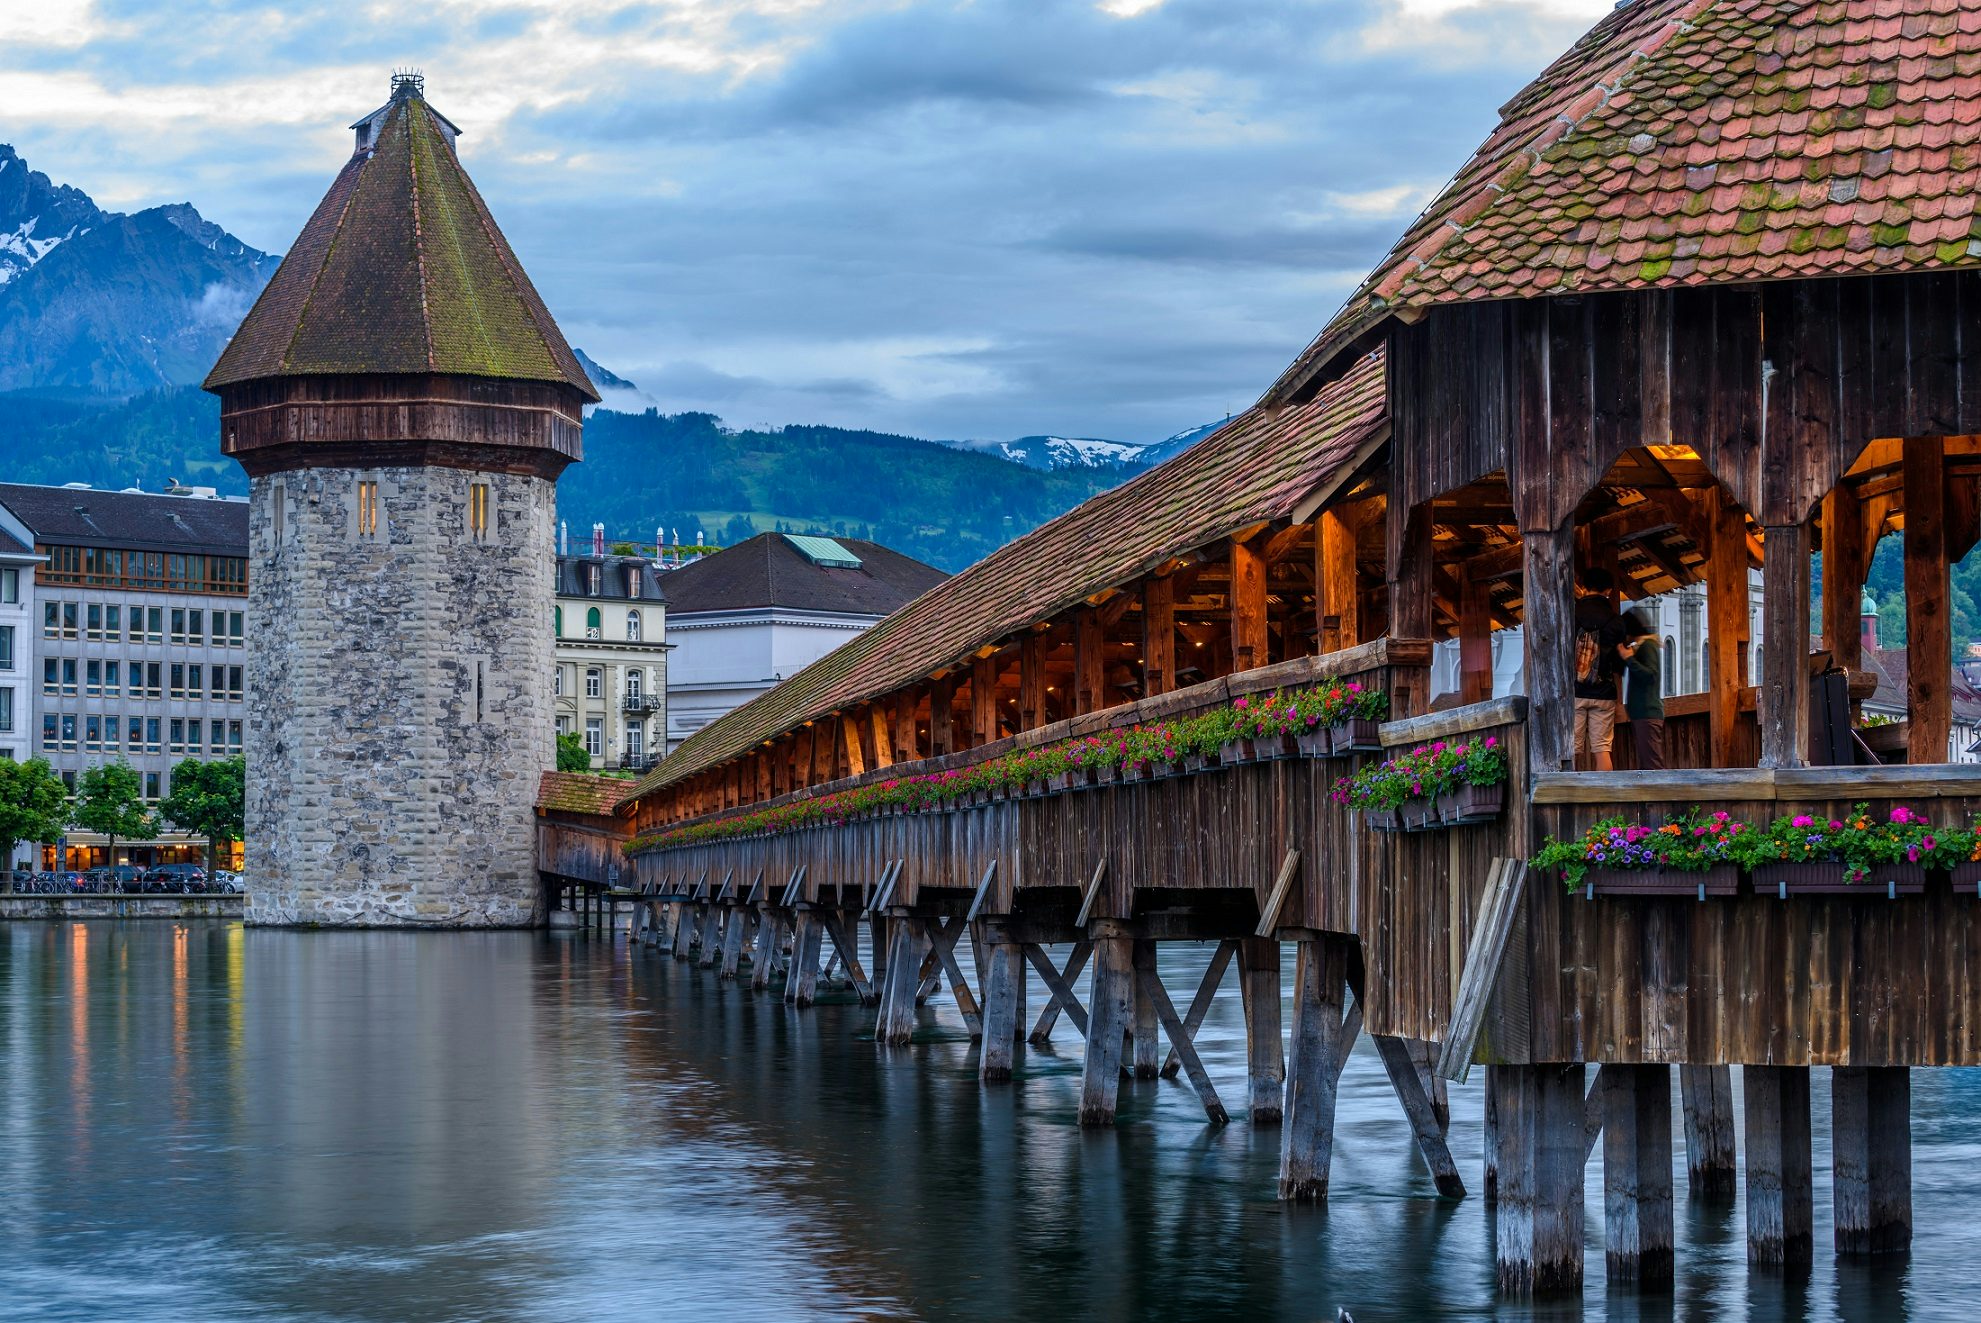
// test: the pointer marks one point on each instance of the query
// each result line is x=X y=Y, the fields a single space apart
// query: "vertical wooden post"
x=942 y=716
x=1475 y=642
x=1871 y=1154
x=1306 y=1137
x=1110 y=1004
x=1782 y=706
x=1410 y=565
x=896 y=1022
x=1089 y=663
x=1548 y=640
x=1265 y=1048
x=825 y=749
x=1780 y=1186
x=1928 y=617
x=1144 y=1036
x=1709 y=1147
x=854 y=733
x=732 y=942
x=901 y=736
x=983 y=700
x=1158 y=636
x=1846 y=560
x=881 y=731
x=1637 y=1214
x=1489 y=1178
x=1004 y=1016
x=1537 y=1222
x=1249 y=645
x=1726 y=623
x=1337 y=597
x=1032 y=682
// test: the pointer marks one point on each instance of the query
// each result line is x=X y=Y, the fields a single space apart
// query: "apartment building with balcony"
x=136 y=640
x=610 y=680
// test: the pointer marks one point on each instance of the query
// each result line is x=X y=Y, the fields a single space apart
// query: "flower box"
x=1237 y=751
x=1722 y=880
x=1199 y=762
x=1067 y=780
x=1356 y=735
x=1268 y=747
x=1825 y=878
x=1131 y=772
x=1383 y=819
x=1316 y=743
x=1418 y=814
x=1471 y=804
x=1106 y=774
x=1967 y=875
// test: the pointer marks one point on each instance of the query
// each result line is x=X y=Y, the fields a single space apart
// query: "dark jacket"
x=1598 y=615
x=1643 y=682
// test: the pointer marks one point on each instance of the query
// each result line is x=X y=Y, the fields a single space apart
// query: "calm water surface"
x=202 y=1122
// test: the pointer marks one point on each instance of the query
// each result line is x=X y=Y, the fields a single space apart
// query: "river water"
x=203 y=1122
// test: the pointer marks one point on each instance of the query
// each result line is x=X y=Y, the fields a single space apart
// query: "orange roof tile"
x=1693 y=142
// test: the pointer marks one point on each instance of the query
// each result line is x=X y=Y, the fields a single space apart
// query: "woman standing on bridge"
x=1643 y=690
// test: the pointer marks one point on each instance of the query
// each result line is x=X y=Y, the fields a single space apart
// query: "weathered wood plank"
x=1180 y=1042
x=1424 y=1126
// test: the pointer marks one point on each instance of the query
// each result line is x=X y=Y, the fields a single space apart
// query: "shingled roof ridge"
x=1466 y=213
x=309 y=299
x=419 y=236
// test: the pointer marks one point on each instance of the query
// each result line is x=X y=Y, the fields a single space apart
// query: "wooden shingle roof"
x=401 y=269
x=1258 y=467
x=1694 y=142
x=578 y=792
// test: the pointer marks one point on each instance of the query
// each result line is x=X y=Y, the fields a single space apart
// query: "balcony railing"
x=641 y=702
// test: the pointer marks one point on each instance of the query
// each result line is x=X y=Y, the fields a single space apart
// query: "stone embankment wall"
x=119 y=907
x=399 y=708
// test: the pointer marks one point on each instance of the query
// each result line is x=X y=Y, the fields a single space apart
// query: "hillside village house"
x=752 y=614
x=137 y=646
x=610 y=679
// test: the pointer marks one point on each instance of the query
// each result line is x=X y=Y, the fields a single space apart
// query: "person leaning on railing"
x=1643 y=690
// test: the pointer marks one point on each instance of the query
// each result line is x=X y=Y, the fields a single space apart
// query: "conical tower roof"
x=401 y=270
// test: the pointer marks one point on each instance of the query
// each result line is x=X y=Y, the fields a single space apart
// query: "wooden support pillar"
x=1846 y=561
x=942 y=717
x=763 y=956
x=906 y=748
x=1032 y=682
x=1871 y=1155
x=1250 y=647
x=1709 y=1144
x=1489 y=1176
x=1782 y=706
x=1548 y=638
x=1475 y=641
x=732 y=942
x=1726 y=623
x=855 y=735
x=1780 y=1194
x=1004 y=1007
x=877 y=939
x=1426 y=1127
x=1144 y=1042
x=1265 y=1048
x=1337 y=596
x=983 y=700
x=1110 y=1005
x=1537 y=1221
x=1637 y=1214
x=1410 y=572
x=896 y=1023
x=1089 y=663
x=1928 y=613
x=807 y=941
x=1158 y=636
x=881 y=727
x=1306 y=1145
x=711 y=939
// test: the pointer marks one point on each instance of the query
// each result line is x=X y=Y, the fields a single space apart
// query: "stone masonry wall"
x=399 y=707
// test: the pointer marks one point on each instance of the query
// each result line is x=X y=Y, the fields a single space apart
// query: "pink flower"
x=1804 y=820
x=1927 y=843
x=1901 y=814
x=1241 y=704
x=1492 y=741
x=1835 y=825
x=1913 y=854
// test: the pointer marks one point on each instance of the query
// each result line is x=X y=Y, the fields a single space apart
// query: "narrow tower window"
x=478 y=509
x=367 y=509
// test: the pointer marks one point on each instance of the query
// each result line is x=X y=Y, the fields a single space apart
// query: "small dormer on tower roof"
x=407 y=84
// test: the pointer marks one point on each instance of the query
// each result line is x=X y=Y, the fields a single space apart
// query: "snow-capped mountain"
x=104 y=304
x=1088 y=452
x=615 y=392
x=1171 y=446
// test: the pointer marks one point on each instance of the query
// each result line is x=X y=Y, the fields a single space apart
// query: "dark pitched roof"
x=1889 y=665
x=768 y=570
x=578 y=792
x=571 y=579
x=82 y=516
x=401 y=270
x=10 y=543
x=1694 y=142
x=1260 y=466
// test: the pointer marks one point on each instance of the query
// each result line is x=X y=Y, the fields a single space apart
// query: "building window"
x=178 y=624
x=591 y=580
x=151 y=785
x=632 y=626
x=233 y=737
x=111 y=681
x=557 y=621
x=478 y=509
x=68 y=732
x=153 y=688
x=113 y=622
x=10 y=586
x=634 y=679
x=93 y=622
x=48 y=730
x=6 y=647
x=563 y=724
x=235 y=637
x=196 y=628
x=93 y=678
x=594 y=623
x=633 y=581
x=178 y=729
x=1669 y=662
x=93 y=734
x=636 y=742
x=135 y=740
x=51 y=677
x=69 y=676
x=6 y=710
x=595 y=736
x=235 y=690
x=557 y=682
x=367 y=509
x=594 y=682
x=178 y=680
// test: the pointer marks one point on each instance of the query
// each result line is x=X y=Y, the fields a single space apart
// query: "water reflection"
x=203 y=1122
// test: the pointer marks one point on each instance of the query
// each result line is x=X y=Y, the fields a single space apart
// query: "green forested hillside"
x=683 y=472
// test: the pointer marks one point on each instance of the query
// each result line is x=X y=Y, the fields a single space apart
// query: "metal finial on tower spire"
x=408 y=82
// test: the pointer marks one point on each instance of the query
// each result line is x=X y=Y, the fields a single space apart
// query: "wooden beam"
x=1410 y=1091
x=1412 y=565
x=1549 y=641
x=1336 y=600
x=1032 y=682
x=1782 y=706
x=856 y=758
x=1928 y=617
x=983 y=700
x=1158 y=636
x=1089 y=663
x=1726 y=624
x=883 y=734
x=1250 y=647
x=1846 y=560
x=1200 y=1005
x=1059 y=986
x=942 y=717
x=1281 y=544
x=1475 y=641
x=1179 y=1042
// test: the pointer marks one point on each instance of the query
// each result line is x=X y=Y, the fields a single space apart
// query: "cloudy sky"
x=957 y=218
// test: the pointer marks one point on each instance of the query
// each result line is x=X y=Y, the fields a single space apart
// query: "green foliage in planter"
x=1688 y=843
x=1858 y=842
x=1425 y=772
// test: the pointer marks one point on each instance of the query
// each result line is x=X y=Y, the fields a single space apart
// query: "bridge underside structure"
x=1539 y=384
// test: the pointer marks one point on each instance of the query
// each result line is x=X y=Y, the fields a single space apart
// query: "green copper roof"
x=401 y=269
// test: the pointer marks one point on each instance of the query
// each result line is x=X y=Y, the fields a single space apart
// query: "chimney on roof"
x=598 y=539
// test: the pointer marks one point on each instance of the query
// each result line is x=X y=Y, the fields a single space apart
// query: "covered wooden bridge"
x=1707 y=303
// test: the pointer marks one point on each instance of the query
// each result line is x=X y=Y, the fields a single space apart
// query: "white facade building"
x=752 y=614
x=610 y=679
